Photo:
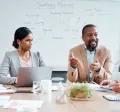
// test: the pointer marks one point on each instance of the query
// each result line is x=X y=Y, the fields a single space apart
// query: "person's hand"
x=16 y=80
x=95 y=66
x=115 y=86
x=105 y=82
x=73 y=61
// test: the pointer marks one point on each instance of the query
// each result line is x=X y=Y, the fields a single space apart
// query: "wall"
x=57 y=25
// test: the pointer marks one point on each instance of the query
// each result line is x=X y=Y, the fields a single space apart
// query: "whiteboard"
x=57 y=25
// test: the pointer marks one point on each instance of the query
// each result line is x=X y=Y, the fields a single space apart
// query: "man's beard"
x=92 y=48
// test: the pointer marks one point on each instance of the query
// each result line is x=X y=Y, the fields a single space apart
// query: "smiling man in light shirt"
x=89 y=61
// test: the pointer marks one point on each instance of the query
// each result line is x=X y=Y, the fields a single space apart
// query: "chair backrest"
x=59 y=76
x=116 y=76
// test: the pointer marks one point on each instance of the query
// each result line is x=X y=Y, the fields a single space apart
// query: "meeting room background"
x=57 y=25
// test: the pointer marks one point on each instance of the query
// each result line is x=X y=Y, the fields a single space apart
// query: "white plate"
x=80 y=99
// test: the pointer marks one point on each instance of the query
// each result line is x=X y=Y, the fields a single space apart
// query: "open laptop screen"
x=27 y=75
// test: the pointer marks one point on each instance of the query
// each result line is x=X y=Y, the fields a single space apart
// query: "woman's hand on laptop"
x=16 y=80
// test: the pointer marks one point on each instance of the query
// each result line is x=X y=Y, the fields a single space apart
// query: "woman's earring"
x=19 y=48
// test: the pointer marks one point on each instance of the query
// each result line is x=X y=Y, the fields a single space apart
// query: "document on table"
x=4 y=100
x=7 y=91
x=97 y=87
x=24 y=104
x=4 y=89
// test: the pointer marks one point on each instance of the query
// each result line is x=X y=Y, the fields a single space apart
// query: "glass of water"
x=37 y=87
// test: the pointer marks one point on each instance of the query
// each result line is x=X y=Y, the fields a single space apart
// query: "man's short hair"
x=86 y=26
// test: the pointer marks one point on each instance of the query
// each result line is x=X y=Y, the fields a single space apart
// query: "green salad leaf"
x=80 y=90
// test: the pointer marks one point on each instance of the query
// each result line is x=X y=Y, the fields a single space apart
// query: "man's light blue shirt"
x=90 y=58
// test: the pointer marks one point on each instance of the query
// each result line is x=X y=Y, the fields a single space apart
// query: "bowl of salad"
x=79 y=91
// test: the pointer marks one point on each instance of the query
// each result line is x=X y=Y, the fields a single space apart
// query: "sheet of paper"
x=93 y=86
x=4 y=100
x=2 y=87
x=24 y=104
x=7 y=91
x=97 y=87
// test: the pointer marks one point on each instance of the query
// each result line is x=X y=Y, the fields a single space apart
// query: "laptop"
x=26 y=75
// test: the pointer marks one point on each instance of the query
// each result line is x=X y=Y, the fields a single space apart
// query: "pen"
x=106 y=87
x=94 y=82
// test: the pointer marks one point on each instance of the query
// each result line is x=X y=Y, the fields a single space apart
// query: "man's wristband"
x=73 y=69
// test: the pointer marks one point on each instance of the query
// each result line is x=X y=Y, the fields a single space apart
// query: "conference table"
x=96 y=104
